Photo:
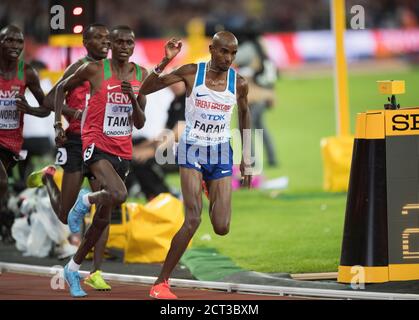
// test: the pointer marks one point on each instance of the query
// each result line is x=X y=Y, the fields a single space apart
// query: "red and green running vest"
x=107 y=121
x=11 y=120
x=77 y=99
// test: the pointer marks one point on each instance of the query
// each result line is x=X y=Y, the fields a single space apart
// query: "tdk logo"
x=122 y=108
x=213 y=117
x=216 y=117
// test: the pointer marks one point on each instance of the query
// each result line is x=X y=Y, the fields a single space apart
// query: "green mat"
x=207 y=264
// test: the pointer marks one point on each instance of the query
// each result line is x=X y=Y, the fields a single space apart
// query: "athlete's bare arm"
x=186 y=73
x=88 y=72
x=138 y=103
x=49 y=99
x=244 y=123
x=32 y=81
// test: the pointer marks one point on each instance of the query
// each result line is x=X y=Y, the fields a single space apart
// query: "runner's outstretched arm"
x=244 y=123
x=138 y=103
x=50 y=97
x=84 y=73
x=32 y=81
x=155 y=80
x=138 y=112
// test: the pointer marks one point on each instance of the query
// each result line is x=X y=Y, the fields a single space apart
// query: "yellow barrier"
x=118 y=232
x=151 y=229
x=337 y=156
x=146 y=231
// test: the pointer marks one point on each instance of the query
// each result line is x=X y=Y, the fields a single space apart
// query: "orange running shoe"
x=205 y=189
x=162 y=291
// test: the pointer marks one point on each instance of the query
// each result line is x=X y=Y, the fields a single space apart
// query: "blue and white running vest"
x=208 y=112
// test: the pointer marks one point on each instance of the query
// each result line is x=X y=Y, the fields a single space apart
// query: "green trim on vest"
x=21 y=70
x=107 y=73
x=139 y=72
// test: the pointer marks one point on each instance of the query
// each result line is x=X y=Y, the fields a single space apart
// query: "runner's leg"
x=100 y=246
x=4 y=164
x=220 y=204
x=191 y=189
x=113 y=193
x=70 y=187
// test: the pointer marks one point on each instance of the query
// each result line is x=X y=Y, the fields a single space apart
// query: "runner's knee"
x=221 y=229
x=118 y=196
x=192 y=223
x=221 y=225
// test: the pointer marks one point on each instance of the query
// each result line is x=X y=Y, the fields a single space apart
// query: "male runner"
x=114 y=106
x=97 y=43
x=15 y=77
x=212 y=90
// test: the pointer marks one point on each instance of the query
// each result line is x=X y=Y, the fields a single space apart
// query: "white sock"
x=72 y=266
x=85 y=199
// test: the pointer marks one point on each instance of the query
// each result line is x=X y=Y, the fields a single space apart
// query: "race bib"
x=61 y=156
x=9 y=115
x=22 y=155
x=209 y=128
x=117 y=120
x=88 y=152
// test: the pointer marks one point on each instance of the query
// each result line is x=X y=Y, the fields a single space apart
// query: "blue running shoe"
x=73 y=280
x=77 y=212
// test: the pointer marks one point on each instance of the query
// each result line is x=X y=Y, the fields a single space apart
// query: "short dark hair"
x=122 y=28
x=7 y=28
x=86 y=31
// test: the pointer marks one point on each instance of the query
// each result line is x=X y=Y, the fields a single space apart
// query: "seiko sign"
x=402 y=122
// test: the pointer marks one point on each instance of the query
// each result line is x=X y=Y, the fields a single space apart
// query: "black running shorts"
x=93 y=154
x=69 y=157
